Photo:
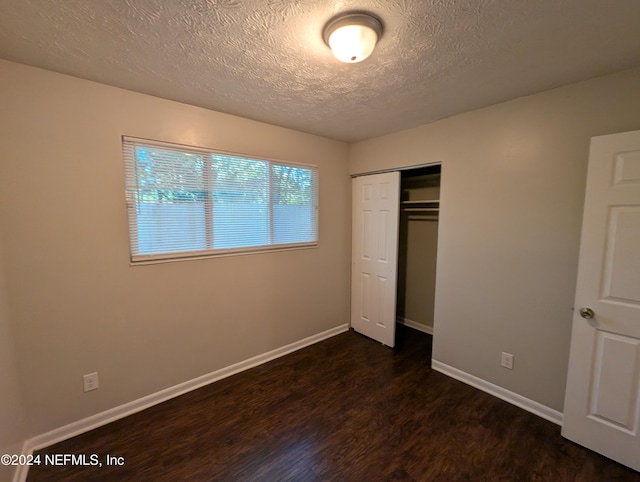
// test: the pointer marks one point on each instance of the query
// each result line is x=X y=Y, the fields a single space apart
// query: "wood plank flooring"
x=346 y=409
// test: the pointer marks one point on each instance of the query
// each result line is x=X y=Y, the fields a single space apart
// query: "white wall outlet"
x=90 y=381
x=507 y=360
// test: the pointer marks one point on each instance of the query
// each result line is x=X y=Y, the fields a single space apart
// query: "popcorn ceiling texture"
x=265 y=59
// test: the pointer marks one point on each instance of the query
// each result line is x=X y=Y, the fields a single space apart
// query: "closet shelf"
x=421 y=206
x=421 y=210
x=427 y=201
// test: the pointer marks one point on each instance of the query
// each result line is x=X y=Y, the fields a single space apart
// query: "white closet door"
x=602 y=402
x=376 y=201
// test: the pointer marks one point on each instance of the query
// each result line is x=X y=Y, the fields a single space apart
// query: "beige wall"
x=513 y=179
x=417 y=270
x=79 y=307
x=12 y=418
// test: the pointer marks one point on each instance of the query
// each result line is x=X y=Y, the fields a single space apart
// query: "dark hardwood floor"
x=345 y=409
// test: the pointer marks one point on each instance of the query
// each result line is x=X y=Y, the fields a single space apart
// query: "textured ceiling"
x=265 y=59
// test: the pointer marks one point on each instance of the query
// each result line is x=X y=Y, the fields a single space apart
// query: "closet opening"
x=395 y=239
x=417 y=247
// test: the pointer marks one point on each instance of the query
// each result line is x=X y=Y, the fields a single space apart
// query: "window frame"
x=131 y=189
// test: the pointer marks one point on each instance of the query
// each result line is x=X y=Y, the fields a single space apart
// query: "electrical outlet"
x=90 y=381
x=507 y=360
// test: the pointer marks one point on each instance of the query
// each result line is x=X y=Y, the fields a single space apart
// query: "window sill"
x=145 y=261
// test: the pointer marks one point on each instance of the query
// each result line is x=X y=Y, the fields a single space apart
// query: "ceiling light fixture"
x=352 y=37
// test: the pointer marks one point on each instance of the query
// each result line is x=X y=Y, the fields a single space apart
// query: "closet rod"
x=422 y=210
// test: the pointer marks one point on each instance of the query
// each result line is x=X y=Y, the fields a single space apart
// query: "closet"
x=417 y=247
x=395 y=226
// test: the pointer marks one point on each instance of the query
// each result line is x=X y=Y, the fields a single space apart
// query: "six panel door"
x=376 y=200
x=602 y=401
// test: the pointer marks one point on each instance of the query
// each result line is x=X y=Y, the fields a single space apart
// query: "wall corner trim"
x=502 y=393
x=129 y=408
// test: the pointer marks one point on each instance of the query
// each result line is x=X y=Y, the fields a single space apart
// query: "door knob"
x=586 y=313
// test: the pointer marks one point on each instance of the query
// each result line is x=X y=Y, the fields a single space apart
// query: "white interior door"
x=602 y=402
x=376 y=206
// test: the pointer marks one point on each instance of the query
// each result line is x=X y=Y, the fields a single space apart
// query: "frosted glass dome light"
x=353 y=37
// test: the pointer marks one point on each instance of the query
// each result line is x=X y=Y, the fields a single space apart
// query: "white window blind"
x=190 y=202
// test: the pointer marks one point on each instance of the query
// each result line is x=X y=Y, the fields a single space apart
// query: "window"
x=188 y=202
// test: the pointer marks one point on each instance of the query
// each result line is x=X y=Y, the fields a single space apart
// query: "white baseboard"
x=116 y=413
x=415 y=325
x=502 y=393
